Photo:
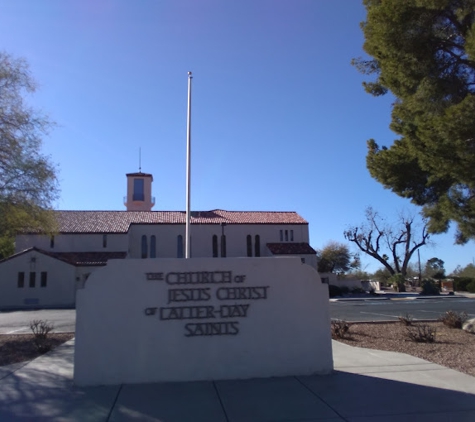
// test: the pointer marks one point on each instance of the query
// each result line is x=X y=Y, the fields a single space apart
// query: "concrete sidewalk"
x=367 y=385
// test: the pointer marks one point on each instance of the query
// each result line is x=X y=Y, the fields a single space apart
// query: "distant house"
x=46 y=271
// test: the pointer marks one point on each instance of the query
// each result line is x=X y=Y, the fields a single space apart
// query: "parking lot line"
x=374 y=313
x=15 y=331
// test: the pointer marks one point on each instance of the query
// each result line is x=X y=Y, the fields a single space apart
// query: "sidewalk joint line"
x=115 y=402
x=26 y=362
x=320 y=398
x=220 y=401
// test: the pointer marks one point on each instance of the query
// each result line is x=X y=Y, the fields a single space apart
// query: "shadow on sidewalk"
x=37 y=395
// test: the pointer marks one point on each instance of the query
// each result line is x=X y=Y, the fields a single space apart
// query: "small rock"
x=469 y=326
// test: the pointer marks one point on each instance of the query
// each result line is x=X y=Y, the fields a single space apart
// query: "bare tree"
x=391 y=244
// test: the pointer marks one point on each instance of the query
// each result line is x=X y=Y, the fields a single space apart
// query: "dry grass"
x=21 y=347
x=452 y=348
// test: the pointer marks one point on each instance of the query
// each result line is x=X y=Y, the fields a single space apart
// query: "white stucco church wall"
x=41 y=282
x=86 y=240
x=201 y=319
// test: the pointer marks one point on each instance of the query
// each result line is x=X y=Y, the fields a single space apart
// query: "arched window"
x=153 y=246
x=223 y=246
x=215 y=246
x=144 y=247
x=179 y=246
x=257 y=246
x=249 y=245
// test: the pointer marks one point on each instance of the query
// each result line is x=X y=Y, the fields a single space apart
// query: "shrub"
x=340 y=329
x=406 y=319
x=344 y=290
x=421 y=333
x=334 y=290
x=461 y=283
x=429 y=288
x=357 y=290
x=41 y=329
x=398 y=282
x=471 y=287
x=454 y=319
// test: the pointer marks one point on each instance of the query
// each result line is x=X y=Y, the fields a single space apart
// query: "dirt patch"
x=20 y=347
x=453 y=348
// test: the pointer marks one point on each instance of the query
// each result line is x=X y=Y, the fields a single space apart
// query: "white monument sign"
x=159 y=320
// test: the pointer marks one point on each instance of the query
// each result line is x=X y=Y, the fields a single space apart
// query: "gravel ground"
x=453 y=348
x=20 y=347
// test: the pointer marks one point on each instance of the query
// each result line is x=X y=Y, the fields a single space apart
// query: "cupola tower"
x=139 y=192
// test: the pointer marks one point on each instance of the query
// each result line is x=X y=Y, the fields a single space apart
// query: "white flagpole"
x=188 y=170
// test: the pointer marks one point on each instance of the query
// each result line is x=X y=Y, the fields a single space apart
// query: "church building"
x=46 y=271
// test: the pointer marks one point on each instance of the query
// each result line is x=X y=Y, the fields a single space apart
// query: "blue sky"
x=279 y=122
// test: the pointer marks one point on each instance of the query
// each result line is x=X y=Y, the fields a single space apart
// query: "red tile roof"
x=120 y=221
x=80 y=259
x=291 y=249
x=83 y=259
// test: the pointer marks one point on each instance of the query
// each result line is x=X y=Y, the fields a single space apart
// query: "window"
x=153 y=246
x=104 y=241
x=249 y=245
x=32 y=279
x=44 y=278
x=51 y=242
x=291 y=235
x=223 y=246
x=179 y=246
x=257 y=246
x=281 y=235
x=138 y=190
x=303 y=260
x=215 y=246
x=21 y=280
x=144 y=247
x=286 y=235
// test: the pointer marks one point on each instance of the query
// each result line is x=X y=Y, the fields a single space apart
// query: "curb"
x=392 y=321
x=349 y=299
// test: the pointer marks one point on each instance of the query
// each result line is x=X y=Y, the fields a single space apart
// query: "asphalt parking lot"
x=391 y=309
x=18 y=322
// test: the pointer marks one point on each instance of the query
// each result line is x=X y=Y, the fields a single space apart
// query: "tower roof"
x=139 y=174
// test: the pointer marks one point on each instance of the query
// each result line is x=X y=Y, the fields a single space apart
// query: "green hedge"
x=461 y=283
x=334 y=290
x=471 y=287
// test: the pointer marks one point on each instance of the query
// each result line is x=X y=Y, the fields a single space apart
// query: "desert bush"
x=429 y=288
x=406 y=319
x=454 y=319
x=421 y=333
x=471 y=287
x=41 y=329
x=334 y=290
x=340 y=329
